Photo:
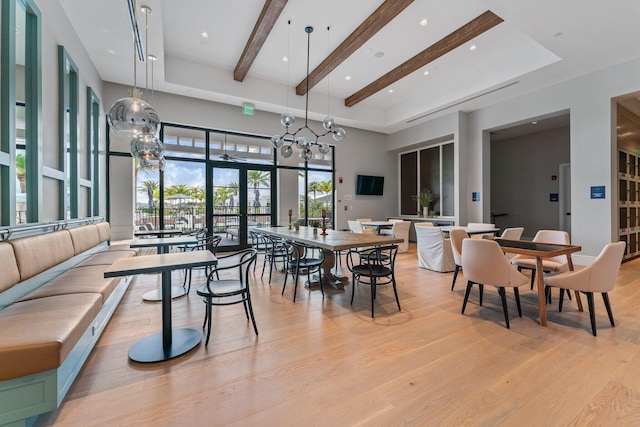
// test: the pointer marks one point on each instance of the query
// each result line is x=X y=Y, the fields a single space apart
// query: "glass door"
x=242 y=198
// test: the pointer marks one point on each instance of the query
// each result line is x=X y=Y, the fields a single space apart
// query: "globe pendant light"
x=284 y=142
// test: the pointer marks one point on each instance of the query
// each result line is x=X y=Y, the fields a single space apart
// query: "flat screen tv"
x=369 y=185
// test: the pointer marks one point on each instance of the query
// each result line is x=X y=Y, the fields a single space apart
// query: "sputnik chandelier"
x=134 y=118
x=285 y=142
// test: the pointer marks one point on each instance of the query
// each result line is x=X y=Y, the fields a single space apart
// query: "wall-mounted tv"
x=369 y=185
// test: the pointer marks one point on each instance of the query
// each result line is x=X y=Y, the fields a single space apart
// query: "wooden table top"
x=157 y=232
x=473 y=230
x=334 y=240
x=158 y=263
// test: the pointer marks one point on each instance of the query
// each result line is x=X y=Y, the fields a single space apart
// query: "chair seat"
x=547 y=264
x=373 y=270
x=221 y=288
x=307 y=262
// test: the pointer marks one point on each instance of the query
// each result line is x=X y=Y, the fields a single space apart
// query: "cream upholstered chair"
x=400 y=230
x=423 y=224
x=457 y=235
x=367 y=229
x=356 y=227
x=557 y=264
x=434 y=251
x=513 y=233
x=485 y=264
x=600 y=276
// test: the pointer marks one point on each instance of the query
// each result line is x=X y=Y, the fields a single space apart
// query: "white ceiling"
x=540 y=43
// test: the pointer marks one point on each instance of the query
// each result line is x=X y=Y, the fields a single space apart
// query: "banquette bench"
x=54 y=304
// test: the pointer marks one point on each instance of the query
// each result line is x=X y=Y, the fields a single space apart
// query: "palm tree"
x=326 y=187
x=257 y=178
x=177 y=189
x=151 y=187
x=315 y=187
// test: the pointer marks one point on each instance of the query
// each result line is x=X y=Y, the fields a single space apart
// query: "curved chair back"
x=457 y=235
x=513 y=233
x=434 y=251
x=554 y=236
x=605 y=268
x=423 y=224
x=484 y=263
x=401 y=230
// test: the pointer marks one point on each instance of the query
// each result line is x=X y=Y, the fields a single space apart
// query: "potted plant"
x=315 y=223
x=296 y=224
x=424 y=198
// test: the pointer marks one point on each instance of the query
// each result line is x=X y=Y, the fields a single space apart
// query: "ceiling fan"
x=229 y=157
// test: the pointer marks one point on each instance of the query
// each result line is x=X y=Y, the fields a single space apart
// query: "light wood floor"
x=322 y=362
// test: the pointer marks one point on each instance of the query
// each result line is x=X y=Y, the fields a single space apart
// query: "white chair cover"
x=434 y=251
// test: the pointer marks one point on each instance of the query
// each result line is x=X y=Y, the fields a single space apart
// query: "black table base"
x=150 y=349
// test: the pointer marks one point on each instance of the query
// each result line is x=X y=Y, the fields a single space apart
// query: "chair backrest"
x=401 y=230
x=242 y=261
x=393 y=220
x=355 y=226
x=209 y=243
x=423 y=224
x=513 y=233
x=604 y=269
x=483 y=262
x=554 y=236
x=363 y=219
x=381 y=256
x=299 y=250
x=457 y=235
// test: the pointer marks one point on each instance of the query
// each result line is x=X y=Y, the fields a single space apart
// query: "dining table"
x=330 y=243
x=540 y=251
x=472 y=230
x=162 y=245
x=157 y=233
x=170 y=342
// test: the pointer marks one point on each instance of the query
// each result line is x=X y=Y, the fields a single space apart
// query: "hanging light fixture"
x=131 y=116
x=285 y=142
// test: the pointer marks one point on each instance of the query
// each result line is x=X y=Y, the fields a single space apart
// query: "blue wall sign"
x=553 y=197
x=475 y=196
x=598 y=192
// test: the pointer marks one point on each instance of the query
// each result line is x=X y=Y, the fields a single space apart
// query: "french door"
x=240 y=197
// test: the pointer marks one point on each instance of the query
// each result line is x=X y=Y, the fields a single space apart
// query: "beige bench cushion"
x=104 y=230
x=107 y=257
x=9 y=273
x=37 y=335
x=88 y=279
x=84 y=238
x=35 y=254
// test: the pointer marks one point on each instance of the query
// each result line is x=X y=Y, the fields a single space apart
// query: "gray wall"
x=521 y=179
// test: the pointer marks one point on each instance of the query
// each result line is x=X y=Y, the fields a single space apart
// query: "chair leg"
x=605 y=298
x=516 y=292
x=208 y=320
x=295 y=286
x=481 y=286
x=253 y=318
x=561 y=299
x=547 y=293
x=395 y=291
x=455 y=276
x=264 y=263
x=592 y=313
x=270 y=269
x=503 y=297
x=286 y=275
x=533 y=278
x=353 y=287
x=320 y=279
x=373 y=293
x=466 y=295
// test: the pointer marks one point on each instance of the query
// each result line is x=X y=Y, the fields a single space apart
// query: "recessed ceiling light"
x=390 y=90
x=204 y=35
x=111 y=51
x=534 y=122
x=424 y=22
x=378 y=55
x=426 y=72
x=347 y=78
x=285 y=59
x=472 y=47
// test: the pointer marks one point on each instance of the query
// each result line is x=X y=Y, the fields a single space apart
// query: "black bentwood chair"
x=208 y=244
x=228 y=291
x=302 y=258
x=376 y=267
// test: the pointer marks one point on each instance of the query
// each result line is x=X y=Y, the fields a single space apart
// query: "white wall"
x=360 y=152
x=521 y=179
x=57 y=30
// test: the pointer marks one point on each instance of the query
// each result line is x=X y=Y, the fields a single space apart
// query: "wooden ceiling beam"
x=467 y=32
x=267 y=19
x=369 y=27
